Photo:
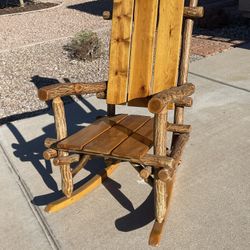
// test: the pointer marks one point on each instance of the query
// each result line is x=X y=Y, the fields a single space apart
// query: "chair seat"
x=128 y=136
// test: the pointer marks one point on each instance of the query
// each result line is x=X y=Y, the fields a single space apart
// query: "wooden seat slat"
x=78 y=140
x=108 y=141
x=138 y=144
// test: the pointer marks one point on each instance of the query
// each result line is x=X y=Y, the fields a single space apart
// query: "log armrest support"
x=178 y=95
x=64 y=89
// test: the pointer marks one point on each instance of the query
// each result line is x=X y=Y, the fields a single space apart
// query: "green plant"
x=86 y=45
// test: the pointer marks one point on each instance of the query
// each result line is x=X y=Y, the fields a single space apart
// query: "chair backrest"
x=144 y=49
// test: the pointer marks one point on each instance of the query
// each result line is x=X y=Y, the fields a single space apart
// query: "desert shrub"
x=86 y=45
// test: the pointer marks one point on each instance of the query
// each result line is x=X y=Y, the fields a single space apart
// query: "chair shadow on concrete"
x=93 y=7
x=32 y=150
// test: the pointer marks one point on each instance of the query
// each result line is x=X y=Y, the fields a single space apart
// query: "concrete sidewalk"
x=211 y=205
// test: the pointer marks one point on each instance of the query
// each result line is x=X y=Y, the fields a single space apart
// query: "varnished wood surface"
x=156 y=233
x=168 y=44
x=142 y=52
x=84 y=136
x=61 y=132
x=113 y=137
x=120 y=51
x=138 y=143
x=63 y=89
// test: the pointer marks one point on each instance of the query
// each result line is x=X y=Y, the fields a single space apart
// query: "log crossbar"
x=64 y=89
x=62 y=160
x=155 y=161
x=178 y=128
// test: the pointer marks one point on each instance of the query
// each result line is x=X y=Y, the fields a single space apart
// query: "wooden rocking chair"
x=147 y=49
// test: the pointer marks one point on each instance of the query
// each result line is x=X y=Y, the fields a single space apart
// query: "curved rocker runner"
x=149 y=55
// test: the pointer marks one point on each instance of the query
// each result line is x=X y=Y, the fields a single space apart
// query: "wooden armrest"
x=63 y=89
x=172 y=95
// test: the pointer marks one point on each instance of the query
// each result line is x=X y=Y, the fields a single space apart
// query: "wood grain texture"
x=160 y=145
x=189 y=12
x=108 y=141
x=178 y=128
x=61 y=132
x=158 y=227
x=142 y=52
x=120 y=51
x=173 y=95
x=78 y=140
x=156 y=233
x=63 y=89
x=193 y=12
x=138 y=144
x=49 y=154
x=168 y=44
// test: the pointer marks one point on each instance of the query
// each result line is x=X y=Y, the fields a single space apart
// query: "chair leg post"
x=61 y=131
x=160 y=141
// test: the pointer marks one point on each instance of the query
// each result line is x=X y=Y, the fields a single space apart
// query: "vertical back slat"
x=119 y=51
x=141 y=61
x=168 y=44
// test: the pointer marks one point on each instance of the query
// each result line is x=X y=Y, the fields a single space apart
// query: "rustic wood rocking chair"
x=147 y=49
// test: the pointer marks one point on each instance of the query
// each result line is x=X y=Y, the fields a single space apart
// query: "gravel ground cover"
x=35 y=27
x=29 y=6
x=25 y=70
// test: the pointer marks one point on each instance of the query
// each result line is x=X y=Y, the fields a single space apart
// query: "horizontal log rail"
x=194 y=12
x=64 y=89
x=178 y=128
x=173 y=95
x=63 y=160
x=139 y=168
x=186 y=101
x=189 y=12
x=49 y=154
x=167 y=174
x=146 y=160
